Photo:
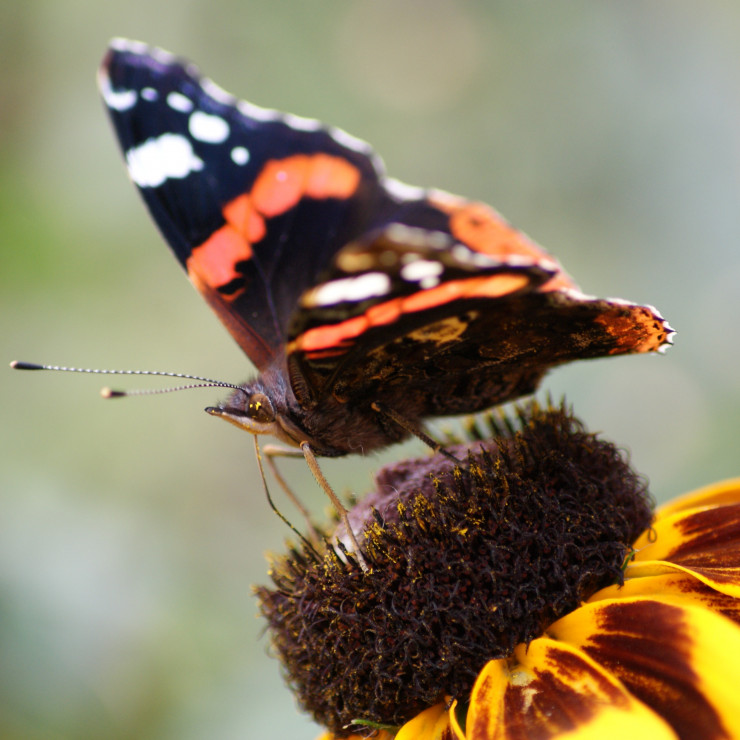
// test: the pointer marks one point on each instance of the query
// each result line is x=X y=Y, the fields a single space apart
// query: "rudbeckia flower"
x=527 y=592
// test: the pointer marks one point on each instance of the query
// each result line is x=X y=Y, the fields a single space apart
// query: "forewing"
x=253 y=203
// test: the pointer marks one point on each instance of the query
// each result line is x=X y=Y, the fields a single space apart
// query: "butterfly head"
x=254 y=411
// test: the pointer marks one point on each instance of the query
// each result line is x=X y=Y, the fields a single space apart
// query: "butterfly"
x=367 y=305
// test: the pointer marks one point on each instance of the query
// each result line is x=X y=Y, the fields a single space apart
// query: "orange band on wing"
x=331 y=177
x=635 y=329
x=214 y=261
x=482 y=229
x=490 y=286
x=283 y=182
x=243 y=216
x=278 y=187
x=336 y=335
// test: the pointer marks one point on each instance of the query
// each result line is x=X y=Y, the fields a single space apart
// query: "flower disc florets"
x=466 y=561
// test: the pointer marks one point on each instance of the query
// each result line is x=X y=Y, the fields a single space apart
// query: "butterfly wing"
x=372 y=289
x=253 y=203
x=447 y=309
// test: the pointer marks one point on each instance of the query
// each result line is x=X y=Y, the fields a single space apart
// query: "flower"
x=657 y=657
x=645 y=642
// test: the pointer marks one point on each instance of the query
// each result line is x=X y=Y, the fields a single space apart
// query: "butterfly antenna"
x=110 y=393
x=272 y=503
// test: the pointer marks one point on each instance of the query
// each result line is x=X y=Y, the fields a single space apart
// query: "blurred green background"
x=130 y=531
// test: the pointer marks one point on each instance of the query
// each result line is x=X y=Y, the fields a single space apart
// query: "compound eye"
x=260 y=409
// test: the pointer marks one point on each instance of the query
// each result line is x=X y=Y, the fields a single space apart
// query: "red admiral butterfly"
x=366 y=304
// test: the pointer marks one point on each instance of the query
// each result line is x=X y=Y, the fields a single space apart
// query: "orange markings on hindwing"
x=280 y=185
x=487 y=286
x=331 y=336
x=633 y=328
x=481 y=228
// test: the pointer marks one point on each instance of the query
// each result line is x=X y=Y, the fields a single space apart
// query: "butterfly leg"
x=306 y=452
x=273 y=451
x=411 y=428
x=338 y=505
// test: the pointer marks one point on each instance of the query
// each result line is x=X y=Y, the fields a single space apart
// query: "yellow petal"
x=552 y=690
x=457 y=715
x=431 y=724
x=717 y=494
x=681 y=661
x=381 y=735
x=674 y=588
x=705 y=542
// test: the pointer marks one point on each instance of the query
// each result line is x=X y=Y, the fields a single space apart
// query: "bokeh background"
x=130 y=531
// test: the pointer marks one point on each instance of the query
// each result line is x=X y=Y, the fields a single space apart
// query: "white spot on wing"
x=150 y=94
x=208 y=128
x=177 y=101
x=355 y=289
x=240 y=155
x=119 y=100
x=424 y=272
x=161 y=158
x=467 y=256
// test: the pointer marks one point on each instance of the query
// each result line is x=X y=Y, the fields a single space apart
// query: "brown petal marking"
x=553 y=689
x=705 y=541
x=649 y=646
x=711 y=544
x=674 y=588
